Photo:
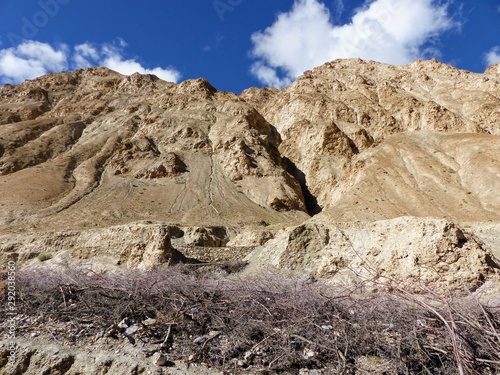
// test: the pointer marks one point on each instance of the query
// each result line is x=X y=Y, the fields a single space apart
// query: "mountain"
x=354 y=158
x=376 y=141
x=95 y=148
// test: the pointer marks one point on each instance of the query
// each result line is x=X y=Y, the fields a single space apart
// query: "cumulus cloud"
x=269 y=75
x=493 y=56
x=391 y=31
x=32 y=59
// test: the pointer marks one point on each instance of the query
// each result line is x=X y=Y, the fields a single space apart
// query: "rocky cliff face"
x=353 y=143
x=352 y=122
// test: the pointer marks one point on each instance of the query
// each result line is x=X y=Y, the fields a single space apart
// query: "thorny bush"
x=269 y=323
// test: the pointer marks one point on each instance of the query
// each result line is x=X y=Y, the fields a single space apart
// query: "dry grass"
x=269 y=323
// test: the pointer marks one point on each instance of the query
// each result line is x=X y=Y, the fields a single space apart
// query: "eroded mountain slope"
x=329 y=116
x=351 y=141
x=454 y=176
x=94 y=147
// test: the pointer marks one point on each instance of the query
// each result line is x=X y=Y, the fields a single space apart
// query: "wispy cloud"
x=338 y=8
x=32 y=59
x=493 y=56
x=391 y=31
x=215 y=44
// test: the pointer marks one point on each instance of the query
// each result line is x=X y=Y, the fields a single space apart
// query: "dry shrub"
x=270 y=323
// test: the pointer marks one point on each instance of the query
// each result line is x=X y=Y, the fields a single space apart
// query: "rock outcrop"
x=411 y=252
x=140 y=245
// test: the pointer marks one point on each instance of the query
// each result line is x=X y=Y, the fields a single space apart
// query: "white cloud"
x=493 y=56
x=29 y=60
x=268 y=75
x=110 y=55
x=84 y=54
x=32 y=59
x=391 y=31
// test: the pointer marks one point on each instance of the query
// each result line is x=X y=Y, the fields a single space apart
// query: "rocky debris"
x=44 y=356
x=233 y=256
x=412 y=252
x=206 y=236
x=141 y=245
x=142 y=159
x=251 y=237
x=171 y=166
x=160 y=359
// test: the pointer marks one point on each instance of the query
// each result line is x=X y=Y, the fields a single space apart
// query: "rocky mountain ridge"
x=350 y=141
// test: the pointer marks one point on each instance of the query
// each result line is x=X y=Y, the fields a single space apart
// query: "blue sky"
x=236 y=44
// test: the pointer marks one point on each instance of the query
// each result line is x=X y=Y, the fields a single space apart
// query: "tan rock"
x=411 y=252
x=206 y=237
x=186 y=153
x=45 y=355
x=422 y=174
x=252 y=237
x=331 y=115
x=140 y=245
